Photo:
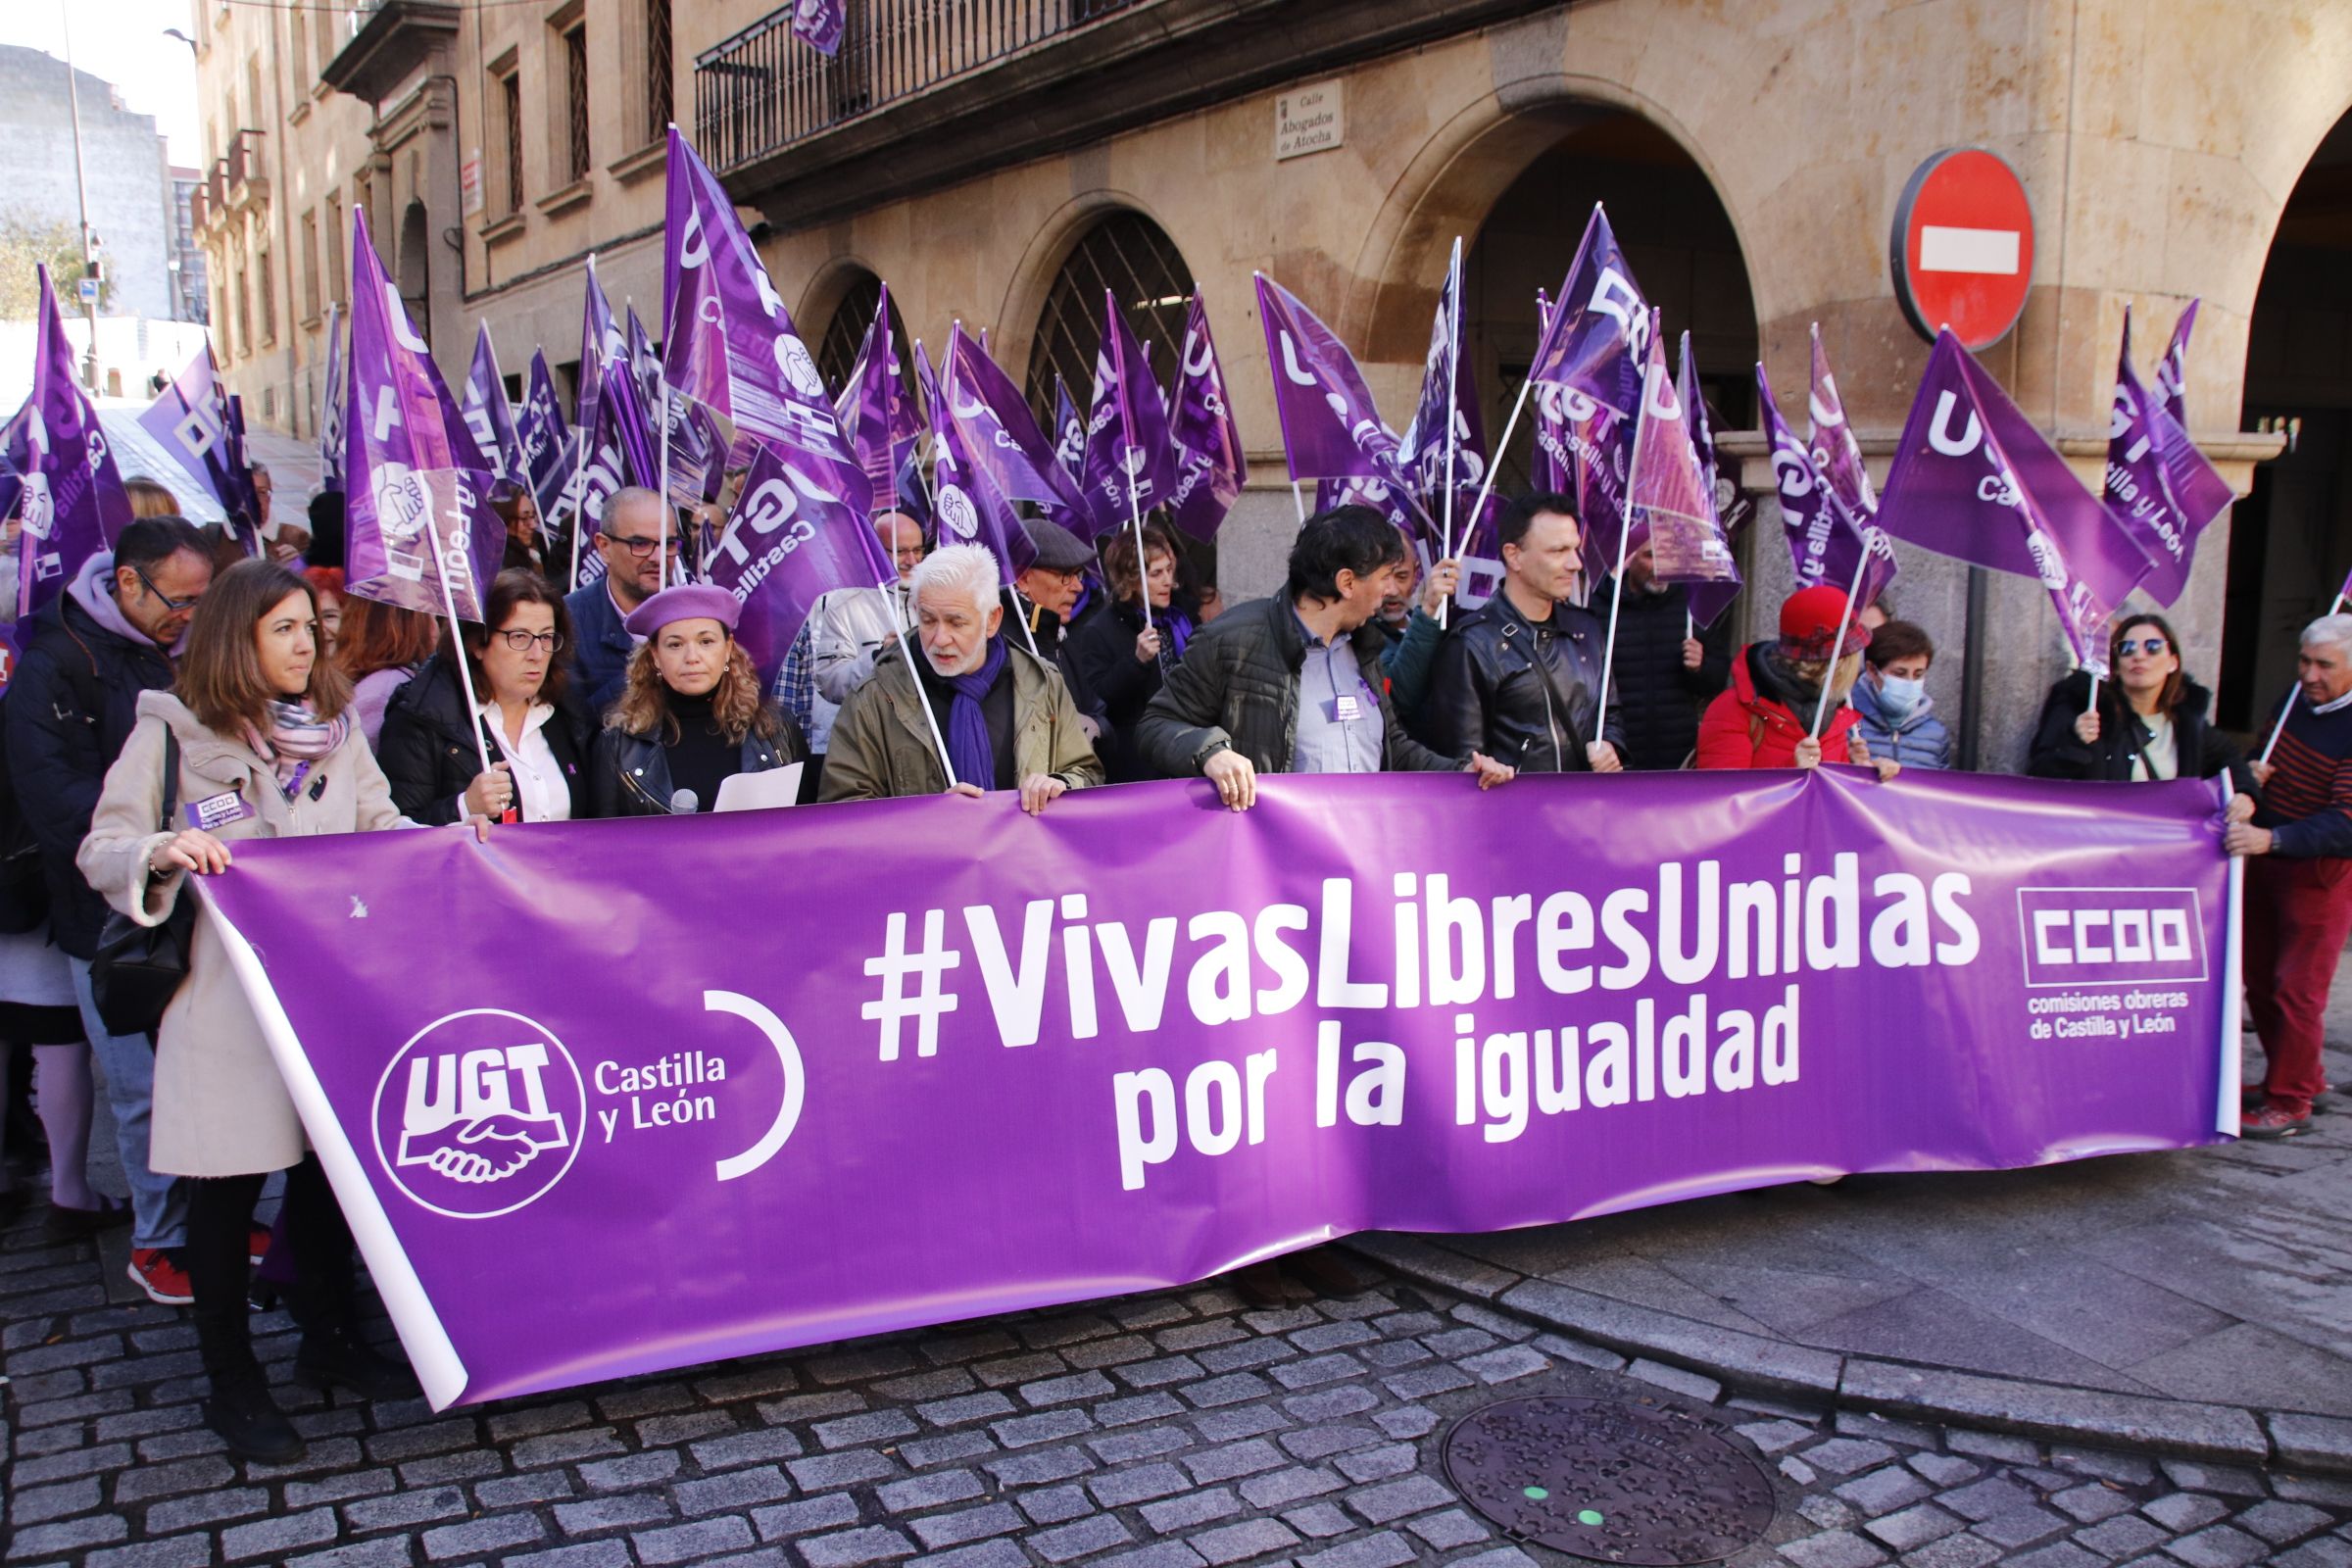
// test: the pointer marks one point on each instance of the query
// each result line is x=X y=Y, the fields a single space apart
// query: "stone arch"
x=1014 y=342
x=415 y=265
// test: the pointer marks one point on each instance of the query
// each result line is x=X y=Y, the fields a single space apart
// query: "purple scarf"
x=968 y=746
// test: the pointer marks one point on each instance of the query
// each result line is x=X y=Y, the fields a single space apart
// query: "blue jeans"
x=159 y=1204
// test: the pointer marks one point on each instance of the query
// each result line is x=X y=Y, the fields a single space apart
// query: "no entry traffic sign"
x=1963 y=246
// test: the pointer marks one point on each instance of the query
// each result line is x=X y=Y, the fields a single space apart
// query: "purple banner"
x=190 y=420
x=2147 y=450
x=1594 y=340
x=787 y=542
x=1671 y=499
x=1211 y=470
x=969 y=508
x=1331 y=429
x=70 y=494
x=545 y=447
x=961 y=1072
x=820 y=24
x=487 y=413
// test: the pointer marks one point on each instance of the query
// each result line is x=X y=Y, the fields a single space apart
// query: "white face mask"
x=1898 y=696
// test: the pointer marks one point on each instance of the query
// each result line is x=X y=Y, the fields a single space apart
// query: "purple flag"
x=877 y=410
x=1836 y=453
x=420 y=533
x=787 y=541
x=645 y=361
x=2172 y=372
x=1448 y=406
x=1552 y=470
x=1731 y=512
x=1002 y=436
x=609 y=400
x=1331 y=429
x=330 y=406
x=1824 y=544
x=72 y=499
x=970 y=508
x=191 y=422
x=886 y=1094
x=731 y=344
x=489 y=416
x=1594 y=342
x=1670 y=499
x=1974 y=480
x=1069 y=430
x=1130 y=465
x=543 y=446
x=1210 y=468
x=2144 y=446
x=820 y=24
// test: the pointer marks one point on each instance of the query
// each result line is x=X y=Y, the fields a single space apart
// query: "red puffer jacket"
x=1744 y=727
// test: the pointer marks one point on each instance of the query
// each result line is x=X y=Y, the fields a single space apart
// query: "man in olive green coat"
x=1002 y=716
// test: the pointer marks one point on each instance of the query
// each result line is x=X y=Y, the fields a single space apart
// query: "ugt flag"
x=543 y=446
x=71 y=501
x=1669 y=498
x=1330 y=427
x=969 y=508
x=1211 y=470
x=489 y=418
x=1002 y=436
x=820 y=24
x=609 y=409
x=2146 y=449
x=420 y=533
x=1445 y=447
x=1709 y=600
x=1130 y=468
x=190 y=420
x=877 y=409
x=1836 y=453
x=1974 y=480
x=1589 y=368
x=787 y=543
x=1826 y=545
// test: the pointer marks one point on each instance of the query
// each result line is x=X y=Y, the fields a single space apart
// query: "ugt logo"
x=478 y=1114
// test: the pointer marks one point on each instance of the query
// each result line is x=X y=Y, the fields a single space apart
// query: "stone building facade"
x=122 y=160
x=994 y=160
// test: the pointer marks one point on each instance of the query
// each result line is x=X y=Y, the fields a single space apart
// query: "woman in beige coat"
x=267 y=749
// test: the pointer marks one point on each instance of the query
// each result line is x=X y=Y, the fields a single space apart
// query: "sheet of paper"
x=757 y=792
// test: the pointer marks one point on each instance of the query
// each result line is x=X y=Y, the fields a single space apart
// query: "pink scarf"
x=297 y=739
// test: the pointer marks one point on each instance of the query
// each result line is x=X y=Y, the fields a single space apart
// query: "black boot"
x=241 y=1412
x=333 y=1357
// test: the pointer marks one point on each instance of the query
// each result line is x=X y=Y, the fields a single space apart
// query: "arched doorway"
x=2291 y=541
x=1675 y=233
x=1133 y=256
x=415 y=272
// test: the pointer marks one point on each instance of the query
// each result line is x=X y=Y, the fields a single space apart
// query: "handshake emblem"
x=486 y=1149
x=460 y=1114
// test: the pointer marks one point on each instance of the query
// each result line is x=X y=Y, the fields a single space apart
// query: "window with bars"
x=509 y=99
x=837 y=352
x=1133 y=258
x=310 y=267
x=335 y=278
x=659 y=63
x=575 y=101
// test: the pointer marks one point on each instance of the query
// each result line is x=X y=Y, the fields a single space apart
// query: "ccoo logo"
x=480 y=1113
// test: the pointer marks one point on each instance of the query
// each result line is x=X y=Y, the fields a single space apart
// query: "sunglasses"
x=2141 y=644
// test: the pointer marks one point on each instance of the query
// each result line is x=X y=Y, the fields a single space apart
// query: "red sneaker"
x=163 y=1281
x=257 y=1244
x=2274 y=1121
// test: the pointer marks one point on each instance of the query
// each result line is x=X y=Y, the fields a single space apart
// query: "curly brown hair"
x=738 y=701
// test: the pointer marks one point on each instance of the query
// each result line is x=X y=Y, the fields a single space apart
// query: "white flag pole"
x=2280 y=728
x=1625 y=537
x=1454 y=379
x=575 y=490
x=1511 y=427
x=1298 y=500
x=446 y=550
x=1143 y=574
x=1820 y=709
x=668 y=517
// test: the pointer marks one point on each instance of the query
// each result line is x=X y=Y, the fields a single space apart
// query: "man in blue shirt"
x=636 y=549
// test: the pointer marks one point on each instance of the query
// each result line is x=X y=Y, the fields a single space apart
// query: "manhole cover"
x=1615 y=1483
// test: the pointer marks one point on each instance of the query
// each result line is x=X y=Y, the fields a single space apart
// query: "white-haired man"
x=1005 y=717
x=2299 y=841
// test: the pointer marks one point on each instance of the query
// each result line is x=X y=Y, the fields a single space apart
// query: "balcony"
x=390 y=40
x=927 y=93
x=208 y=203
x=248 y=172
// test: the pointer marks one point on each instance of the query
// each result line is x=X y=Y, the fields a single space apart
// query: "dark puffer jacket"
x=71 y=707
x=427 y=749
x=1238 y=689
x=2059 y=754
x=1522 y=692
x=1103 y=650
x=1660 y=700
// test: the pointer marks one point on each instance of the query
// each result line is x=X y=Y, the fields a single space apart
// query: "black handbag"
x=138 y=967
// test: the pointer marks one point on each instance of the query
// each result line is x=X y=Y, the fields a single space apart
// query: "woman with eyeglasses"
x=536 y=733
x=692 y=715
x=2150 y=721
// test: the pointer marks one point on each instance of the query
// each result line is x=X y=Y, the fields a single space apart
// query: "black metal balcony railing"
x=764 y=89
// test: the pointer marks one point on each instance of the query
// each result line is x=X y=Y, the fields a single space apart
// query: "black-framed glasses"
x=2140 y=645
x=642 y=548
x=169 y=603
x=522 y=642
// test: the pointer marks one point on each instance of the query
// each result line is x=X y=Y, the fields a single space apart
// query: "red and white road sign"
x=1963 y=246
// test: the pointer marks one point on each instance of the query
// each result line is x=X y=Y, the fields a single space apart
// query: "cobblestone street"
x=1172 y=1430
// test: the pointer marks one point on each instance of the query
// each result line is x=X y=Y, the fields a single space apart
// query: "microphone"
x=684 y=802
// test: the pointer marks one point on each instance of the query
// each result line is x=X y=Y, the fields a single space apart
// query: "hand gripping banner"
x=847 y=1070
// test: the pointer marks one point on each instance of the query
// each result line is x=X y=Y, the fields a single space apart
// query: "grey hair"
x=970 y=569
x=2331 y=631
x=626 y=496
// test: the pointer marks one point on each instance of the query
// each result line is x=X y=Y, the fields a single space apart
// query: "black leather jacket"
x=1523 y=692
x=628 y=775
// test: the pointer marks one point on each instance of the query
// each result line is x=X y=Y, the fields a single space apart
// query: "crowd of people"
x=179 y=699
